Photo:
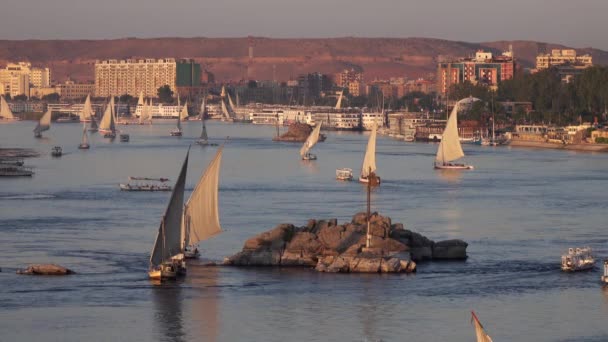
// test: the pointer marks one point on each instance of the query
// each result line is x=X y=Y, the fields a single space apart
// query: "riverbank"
x=571 y=147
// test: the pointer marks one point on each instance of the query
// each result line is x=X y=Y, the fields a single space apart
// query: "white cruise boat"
x=344 y=174
x=578 y=259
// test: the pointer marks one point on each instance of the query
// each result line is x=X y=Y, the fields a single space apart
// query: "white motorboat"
x=449 y=147
x=605 y=276
x=578 y=259
x=344 y=174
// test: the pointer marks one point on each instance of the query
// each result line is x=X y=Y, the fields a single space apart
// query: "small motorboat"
x=57 y=151
x=605 y=276
x=110 y=135
x=176 y=133
x=453 y=166
x=578 y=259
x=124 y=138
x=344 y=174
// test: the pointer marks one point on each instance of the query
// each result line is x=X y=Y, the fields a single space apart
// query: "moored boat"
x=449 y=148
x=344 y=174
x=578 y=259
x=9 y=170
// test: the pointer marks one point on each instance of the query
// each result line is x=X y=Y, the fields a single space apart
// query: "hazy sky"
x=578 y=23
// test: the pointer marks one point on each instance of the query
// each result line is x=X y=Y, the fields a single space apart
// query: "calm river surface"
x=519 y=210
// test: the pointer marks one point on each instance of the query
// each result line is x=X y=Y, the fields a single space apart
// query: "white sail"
x=312 y=139
x=140 y=101
x=87 y=110
x=183 y=114
x=369 y=161
x=230 y=101
x=150 y=111
x=5 y=110
x=449 y=148
x=224 y=109
x=339 y=103
x=481 y=334
x=85 y=137
x=201 y=213
x=143 y=115
x=44 y=124
x=107 y=118
x=169 y=238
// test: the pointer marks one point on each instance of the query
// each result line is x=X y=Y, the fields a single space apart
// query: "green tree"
x=165 y=94
x=51 y=98
x=126 y=98
x=21 y=97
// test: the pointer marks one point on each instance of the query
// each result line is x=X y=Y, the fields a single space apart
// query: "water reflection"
x=450 y=176
x=205 y=304
x=310 y=166
x=168 y=315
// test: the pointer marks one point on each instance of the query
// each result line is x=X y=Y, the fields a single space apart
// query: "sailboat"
x=84 y=144
x=481 y=334
x=107 y=124
x=177 y=132
x=449 y=147
x=204 y=139
x=368 y=169
x=165 y=258
x=44 y=124
x=201 y=215
x=149 y=114
x=93 y=126
x=183 y=114
x=5 y=110
x=312 y=139
x=143 y=116
x=87 y=110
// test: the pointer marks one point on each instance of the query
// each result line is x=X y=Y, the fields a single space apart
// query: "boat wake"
x=27 y=197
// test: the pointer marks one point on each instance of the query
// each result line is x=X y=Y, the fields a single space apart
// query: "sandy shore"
x=571 y=147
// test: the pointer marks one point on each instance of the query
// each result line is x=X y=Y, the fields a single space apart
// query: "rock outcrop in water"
x=45 y=269
x=297 y=132
x=330 y=247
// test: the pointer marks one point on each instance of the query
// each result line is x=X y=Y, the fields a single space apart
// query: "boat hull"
x=373 y=180
x=453 y=167
x=83 y=146
x=309 y=157
x=176 y=133
x=164 y=272
x=149 y=188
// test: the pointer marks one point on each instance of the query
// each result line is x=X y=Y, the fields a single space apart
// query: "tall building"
x=562 y=57
x=17 y=78
x=72 y=91
x=132 y=76
x=347 y=76
x=484 y=68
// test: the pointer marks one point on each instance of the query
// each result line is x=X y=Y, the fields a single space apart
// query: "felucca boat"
x=368 y=169
x=449 y=147
x=86 y=113
x=204 y=139
x=177 y=132
x=5 y=111
x=166 y=259
x=44 y=124
x=107 y=126
x=84 y=144
x=312 y=139
x=201 y=215
x=481 y=334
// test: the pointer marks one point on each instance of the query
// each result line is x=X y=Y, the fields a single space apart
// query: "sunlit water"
x=519 y=210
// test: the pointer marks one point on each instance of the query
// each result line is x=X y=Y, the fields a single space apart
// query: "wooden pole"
x=368 y=240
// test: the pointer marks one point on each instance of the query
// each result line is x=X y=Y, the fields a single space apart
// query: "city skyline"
x=467 y=20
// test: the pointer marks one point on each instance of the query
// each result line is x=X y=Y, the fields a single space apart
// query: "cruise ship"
x=161 y=111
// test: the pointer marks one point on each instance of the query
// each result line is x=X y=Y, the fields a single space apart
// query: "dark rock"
x=45 y=269
x=450 y=250
x=297 y=132
x=359 y=218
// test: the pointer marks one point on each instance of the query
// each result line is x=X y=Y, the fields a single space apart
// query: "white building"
x=132 y=76
x=16 y=78
x=40 y=78
x=368 y=120
x=160 y=111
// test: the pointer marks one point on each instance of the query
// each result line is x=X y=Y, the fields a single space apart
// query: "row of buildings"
x=18 y=78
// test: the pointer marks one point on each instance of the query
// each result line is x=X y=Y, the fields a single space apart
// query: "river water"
x=519 y=210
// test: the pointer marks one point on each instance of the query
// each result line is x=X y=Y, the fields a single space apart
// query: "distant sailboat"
x=204 y=139
x=84 y=144
x=168 y=247
x=143 y=115
x=312 y=139
x=5 y=110
x=177 y=132
x=201 y=215
x=87 y=110
x=481 y=334
x=149 y=114
x=183 y=114
x=44 y=124
x=449 y=147
x=368 y=169
x=107 y=124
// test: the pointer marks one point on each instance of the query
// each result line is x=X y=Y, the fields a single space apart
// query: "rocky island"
x=330 y=247
x=297 y=132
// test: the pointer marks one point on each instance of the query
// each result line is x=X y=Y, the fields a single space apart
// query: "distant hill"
x=283 y=59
